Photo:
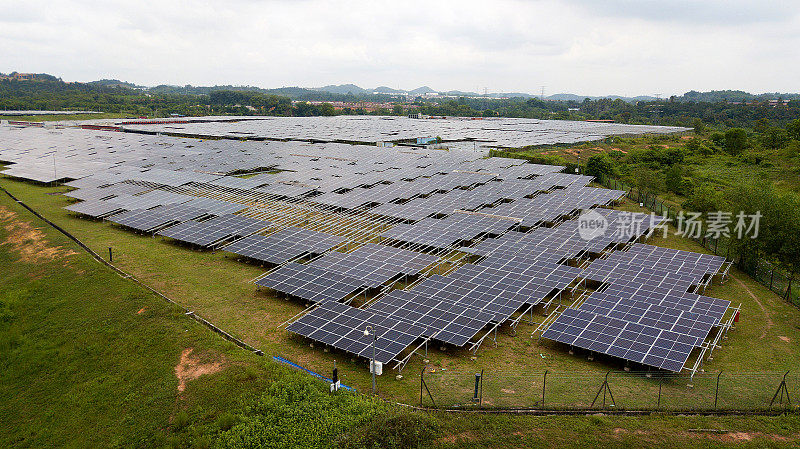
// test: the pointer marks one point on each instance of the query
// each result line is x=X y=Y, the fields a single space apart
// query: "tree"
x=735 y=140
x=397 y=109
x=648 y=181
x=600 y=165
x=774 y=138
x=793 y=129
x=704 y=199
x=673 y=179
x=699 y=126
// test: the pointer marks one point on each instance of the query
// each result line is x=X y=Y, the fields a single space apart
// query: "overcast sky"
x=589 y=47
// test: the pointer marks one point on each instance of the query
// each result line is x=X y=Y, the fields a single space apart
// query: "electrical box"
x=376 y=367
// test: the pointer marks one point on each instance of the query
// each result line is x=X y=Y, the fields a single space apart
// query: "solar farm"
x=466 y=133
x=428 y=247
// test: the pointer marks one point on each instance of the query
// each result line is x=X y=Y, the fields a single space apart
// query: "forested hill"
x=50 y=93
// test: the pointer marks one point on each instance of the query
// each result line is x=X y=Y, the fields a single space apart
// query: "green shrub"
x=396 y=429
x=226 y=421
x=181 y=420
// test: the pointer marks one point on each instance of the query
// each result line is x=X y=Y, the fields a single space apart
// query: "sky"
x=587 y=47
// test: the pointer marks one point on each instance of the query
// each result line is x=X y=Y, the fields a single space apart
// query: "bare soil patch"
x=190 y=368
x=31 y=243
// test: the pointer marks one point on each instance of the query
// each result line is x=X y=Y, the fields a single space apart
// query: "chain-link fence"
x=768 y=275
x=619 y=390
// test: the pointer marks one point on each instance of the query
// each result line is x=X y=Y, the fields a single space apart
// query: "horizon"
x=372 y=89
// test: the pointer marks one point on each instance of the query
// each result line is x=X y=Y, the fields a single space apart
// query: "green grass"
x=88 y=359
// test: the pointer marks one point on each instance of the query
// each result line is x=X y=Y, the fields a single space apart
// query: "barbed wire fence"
x=612 y=390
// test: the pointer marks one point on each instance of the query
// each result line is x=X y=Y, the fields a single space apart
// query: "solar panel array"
x=342 y=327
x=310 y=283
x=284 y=245
x=548 y=208
x=336 y=275
x=416 y=201
x=466 y=133
x=150 y=219
x=444 y=233
x=645 y=314
x=207 y=233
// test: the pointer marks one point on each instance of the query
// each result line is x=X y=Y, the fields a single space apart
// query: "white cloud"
x=622 y=47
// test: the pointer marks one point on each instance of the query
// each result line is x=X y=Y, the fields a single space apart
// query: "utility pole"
x=369 y=330
x=542 y=96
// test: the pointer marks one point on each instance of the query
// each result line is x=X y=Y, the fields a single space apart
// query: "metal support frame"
x=422 y=384
x=782 y=389
x=604 y=388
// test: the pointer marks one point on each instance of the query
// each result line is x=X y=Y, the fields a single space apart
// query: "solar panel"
x=310 y=283
x=445 y=232
x=284 y=245
x=209 y=232
x=149 y=219
x=627 y=340
x=342 y=327
x=442 y=320
x=375 y=264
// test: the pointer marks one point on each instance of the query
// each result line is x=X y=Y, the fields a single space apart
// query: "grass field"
x=90 y=359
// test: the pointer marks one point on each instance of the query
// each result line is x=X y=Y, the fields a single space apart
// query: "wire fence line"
x=612 y=390
x=778 y=280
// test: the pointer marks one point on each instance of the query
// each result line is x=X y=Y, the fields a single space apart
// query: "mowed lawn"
x=89 y=359
x=219 y=288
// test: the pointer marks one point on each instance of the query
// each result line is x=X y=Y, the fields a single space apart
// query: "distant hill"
x=387 y=90
x=422 y=90
x=343 y=89
x=579 y=98
x=734 y=96
x=114 y=83
x=459 y=93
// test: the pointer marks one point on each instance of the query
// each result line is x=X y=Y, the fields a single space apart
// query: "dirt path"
x=770 y=323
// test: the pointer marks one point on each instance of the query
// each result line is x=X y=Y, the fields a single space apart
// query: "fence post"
x=781 y=390
x=544 y=385
x=421 y=381
x=660 y=381
x=771 y=277
x=480 y=404
x=716 y=391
